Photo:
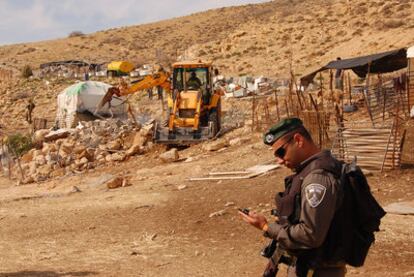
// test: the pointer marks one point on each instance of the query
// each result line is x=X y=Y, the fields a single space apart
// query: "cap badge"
x=269 y=138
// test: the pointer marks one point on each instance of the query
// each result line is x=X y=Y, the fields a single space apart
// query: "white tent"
x=410 y=52
x=83 y=98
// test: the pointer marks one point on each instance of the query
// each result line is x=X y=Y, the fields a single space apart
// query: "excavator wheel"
x=213 y=117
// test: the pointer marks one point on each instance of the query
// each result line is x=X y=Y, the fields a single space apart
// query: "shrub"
x=393 y=23
x=27 y=71
x=76 y=34
x=19 y=144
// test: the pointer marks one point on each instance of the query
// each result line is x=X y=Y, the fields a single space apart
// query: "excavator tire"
x=213 y=118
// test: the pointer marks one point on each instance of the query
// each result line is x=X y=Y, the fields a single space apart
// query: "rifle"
x=276 y=256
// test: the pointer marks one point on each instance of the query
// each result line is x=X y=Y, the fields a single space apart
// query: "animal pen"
x=375 y=134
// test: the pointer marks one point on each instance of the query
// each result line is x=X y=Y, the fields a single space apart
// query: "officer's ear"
x=299 y=140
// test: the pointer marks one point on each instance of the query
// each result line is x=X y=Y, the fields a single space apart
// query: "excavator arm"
x=160 y=78
x=149 y=81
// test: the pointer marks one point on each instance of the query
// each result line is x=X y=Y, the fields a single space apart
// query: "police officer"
x=309 y=224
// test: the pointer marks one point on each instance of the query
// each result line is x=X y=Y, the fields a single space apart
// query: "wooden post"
x=367 y=102
x=315 y=106
x=349 y=89
x=267 y=114
x=331 y=86
x=340 y=124
x=287 y=108
x=321 y=83
x=408 y=83
x=397 y=117
x=277 y=106
x=253 y=110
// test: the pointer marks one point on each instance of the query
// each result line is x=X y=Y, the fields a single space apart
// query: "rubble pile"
x=91 y=144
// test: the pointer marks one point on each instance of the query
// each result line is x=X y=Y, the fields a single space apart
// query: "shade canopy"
x=377 y=63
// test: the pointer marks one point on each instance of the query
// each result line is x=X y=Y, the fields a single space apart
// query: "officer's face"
x=285 y=151
x=281 y=150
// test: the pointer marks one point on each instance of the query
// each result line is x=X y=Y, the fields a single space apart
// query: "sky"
x=36 y=20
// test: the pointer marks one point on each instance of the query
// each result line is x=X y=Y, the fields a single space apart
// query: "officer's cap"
x=280 y=129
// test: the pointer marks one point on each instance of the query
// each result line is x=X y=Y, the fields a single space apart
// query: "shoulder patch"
x=314 y=194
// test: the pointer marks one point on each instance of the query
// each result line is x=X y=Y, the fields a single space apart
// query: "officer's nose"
x=280 y=161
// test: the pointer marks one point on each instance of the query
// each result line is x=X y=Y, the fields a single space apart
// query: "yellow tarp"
x=121 y=66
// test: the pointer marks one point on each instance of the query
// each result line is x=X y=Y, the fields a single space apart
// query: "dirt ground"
x=160 y=225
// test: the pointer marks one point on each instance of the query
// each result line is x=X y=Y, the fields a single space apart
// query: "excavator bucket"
x=182 y=135
x=107 y=98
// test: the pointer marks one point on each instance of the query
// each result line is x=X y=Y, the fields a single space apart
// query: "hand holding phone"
x=245 y=211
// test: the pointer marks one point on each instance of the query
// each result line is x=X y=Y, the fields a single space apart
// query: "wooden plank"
x=227 y=173
x=232 y=175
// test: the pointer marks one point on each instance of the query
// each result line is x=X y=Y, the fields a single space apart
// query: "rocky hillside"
x=259 y=39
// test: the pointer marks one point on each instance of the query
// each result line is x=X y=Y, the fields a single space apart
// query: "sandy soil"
x=153 y=228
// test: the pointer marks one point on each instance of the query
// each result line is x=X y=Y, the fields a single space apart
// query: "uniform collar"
x=316 y=156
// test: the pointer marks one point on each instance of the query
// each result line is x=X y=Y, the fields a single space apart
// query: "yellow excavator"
x=194 y=102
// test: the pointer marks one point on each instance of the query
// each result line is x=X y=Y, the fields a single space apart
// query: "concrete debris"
x=54 y=135
x=215 y=145
x=76 y=150
x=170 y=156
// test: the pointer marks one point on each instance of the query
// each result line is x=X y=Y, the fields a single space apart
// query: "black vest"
x=288 y=204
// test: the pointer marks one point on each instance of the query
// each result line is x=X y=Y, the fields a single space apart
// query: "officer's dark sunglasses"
x=281 y=151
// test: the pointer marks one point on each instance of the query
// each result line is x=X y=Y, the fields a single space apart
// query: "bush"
x=19 y=144
x=27 y=71
x=76 y=34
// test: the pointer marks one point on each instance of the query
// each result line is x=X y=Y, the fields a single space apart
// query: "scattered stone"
x=140 y=139
x=135 y=253
x=44 y=170
x=170 y=156
x=235 y=141
x=189 y=159
x=215 y=145
x=134 y=149
x=218 y=213
x=39 y=135
x=74 y=189
x=116 y=157
x=115 y=183
x=58 y=173
x=67 y=147
x=27 y=157
x=79 y=149
x=114 y=145
x=54 y=135
x=40 y=160
x=181 y=187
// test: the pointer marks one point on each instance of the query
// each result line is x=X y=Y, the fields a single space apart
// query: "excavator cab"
x=194 y=106
x=193 y=79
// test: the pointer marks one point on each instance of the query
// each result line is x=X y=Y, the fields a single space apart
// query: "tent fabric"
x=84 y=97
x=379 y=63
x=410 y=52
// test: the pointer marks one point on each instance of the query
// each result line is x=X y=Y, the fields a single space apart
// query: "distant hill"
x=257 y=39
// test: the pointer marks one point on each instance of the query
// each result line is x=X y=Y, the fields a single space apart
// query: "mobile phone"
x=244 y=210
